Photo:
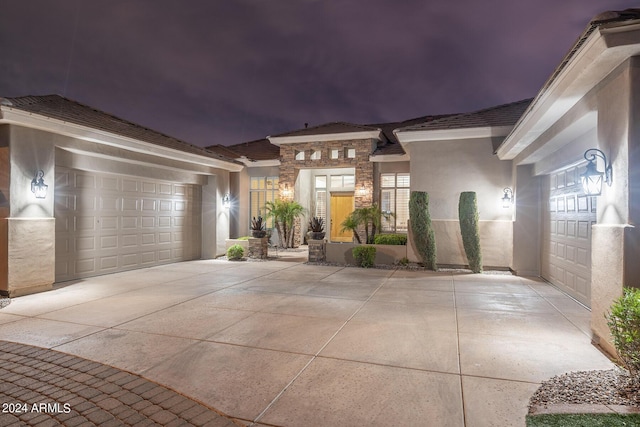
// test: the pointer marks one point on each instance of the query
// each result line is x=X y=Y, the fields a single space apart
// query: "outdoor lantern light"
x=362 y=191
x=592 y=178
x=507 y=198
x=38 y=187
x=286 y=192
x=226 y=201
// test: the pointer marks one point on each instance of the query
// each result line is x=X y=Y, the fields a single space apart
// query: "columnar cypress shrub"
x=421 y=230
x=468 y=215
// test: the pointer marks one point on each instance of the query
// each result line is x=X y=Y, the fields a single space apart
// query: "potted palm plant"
x=258 y=227
x=316 y=228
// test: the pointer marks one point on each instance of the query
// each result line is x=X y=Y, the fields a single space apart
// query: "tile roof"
x=392 y=145
x=502 y=115
x=67 y=110
x=260 y=149
x=328 y=128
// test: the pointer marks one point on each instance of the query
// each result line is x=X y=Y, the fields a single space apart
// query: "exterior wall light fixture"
x=38 y=187
x=362 y=191
x=286 y=192
x=592 y=178
x=507 y=198
x=226 y=201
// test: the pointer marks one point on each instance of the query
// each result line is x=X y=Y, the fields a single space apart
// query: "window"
x=394 y=198
x=321 y=197
x=350 y=153
x=299 y=155
x=316 y=155
x=335 y=153
x=343 y=181
x=262 y=190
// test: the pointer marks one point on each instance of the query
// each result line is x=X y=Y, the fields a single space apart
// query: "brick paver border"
x=42 y=387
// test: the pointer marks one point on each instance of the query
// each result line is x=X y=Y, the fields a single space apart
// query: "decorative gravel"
x=4 y=302
x=610 y=387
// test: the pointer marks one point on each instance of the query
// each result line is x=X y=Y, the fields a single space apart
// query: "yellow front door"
x=341 y=207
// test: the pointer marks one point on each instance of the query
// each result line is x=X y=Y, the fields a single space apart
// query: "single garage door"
x=566 y=239
x=108 y=223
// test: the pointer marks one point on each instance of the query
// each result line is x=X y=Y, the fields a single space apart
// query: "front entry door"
x=341 y=207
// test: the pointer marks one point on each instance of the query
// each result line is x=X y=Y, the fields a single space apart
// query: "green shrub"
x=243 y=238
x=364 y=255
x=390 y=239
x=422 y=233
x=468 y=215
x=624 y=323
x=235 y=252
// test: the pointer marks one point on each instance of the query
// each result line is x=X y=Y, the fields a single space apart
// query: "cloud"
x=231 y=71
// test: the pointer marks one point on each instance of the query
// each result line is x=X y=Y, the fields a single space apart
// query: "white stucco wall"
x=444 y=169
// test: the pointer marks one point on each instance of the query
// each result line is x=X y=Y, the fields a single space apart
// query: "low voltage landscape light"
x=38 y=187
x=507 y=198
x=592 y=177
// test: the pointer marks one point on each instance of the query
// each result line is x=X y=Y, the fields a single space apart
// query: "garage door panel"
x=130 y=205
x=108 y=223
x=566 y=249
x=130 y=186
x=148 y=187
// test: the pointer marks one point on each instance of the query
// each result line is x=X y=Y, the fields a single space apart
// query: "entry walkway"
x=288 y=344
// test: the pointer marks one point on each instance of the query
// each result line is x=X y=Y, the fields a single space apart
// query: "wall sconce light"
x=226 y=201
x=507 y=198
x=286 y=192
x=362 y=191
x=592 y=178
x=38 y=187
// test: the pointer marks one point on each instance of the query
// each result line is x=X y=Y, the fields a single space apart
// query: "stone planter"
x=258 y=247
x=317 y=250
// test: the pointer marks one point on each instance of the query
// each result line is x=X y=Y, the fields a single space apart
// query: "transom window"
x=394 y=199
x=343 y=181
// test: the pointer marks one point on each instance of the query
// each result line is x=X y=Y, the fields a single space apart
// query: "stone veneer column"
x=317 y=251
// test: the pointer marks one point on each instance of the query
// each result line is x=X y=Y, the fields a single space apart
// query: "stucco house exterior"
x=121 y=196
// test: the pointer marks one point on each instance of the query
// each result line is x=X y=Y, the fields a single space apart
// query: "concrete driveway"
x=288 y=344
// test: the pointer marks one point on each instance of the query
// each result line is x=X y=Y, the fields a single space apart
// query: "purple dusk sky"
x=229 y=71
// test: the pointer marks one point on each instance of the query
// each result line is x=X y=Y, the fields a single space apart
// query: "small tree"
x=624 y=323
x=370 y=218
x=422 y=232
x=351 y=224
x=468 y=215
x=284 y=214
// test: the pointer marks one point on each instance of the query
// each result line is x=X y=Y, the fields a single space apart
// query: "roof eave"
x=599 y=53
x=342 y=136
x=406 y=136
x=19 y=117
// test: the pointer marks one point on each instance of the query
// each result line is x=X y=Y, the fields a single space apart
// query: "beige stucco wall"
x=342 y=253
x=526 y=227
x=444 y=169
x=31 y=257
x=496 y=238
x=30 y=228
x=614 y=252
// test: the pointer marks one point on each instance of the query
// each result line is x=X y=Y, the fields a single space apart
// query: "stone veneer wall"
x=289 y=168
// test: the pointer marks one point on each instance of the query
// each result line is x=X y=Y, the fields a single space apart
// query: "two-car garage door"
x=107 y=223
x=566 y=234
